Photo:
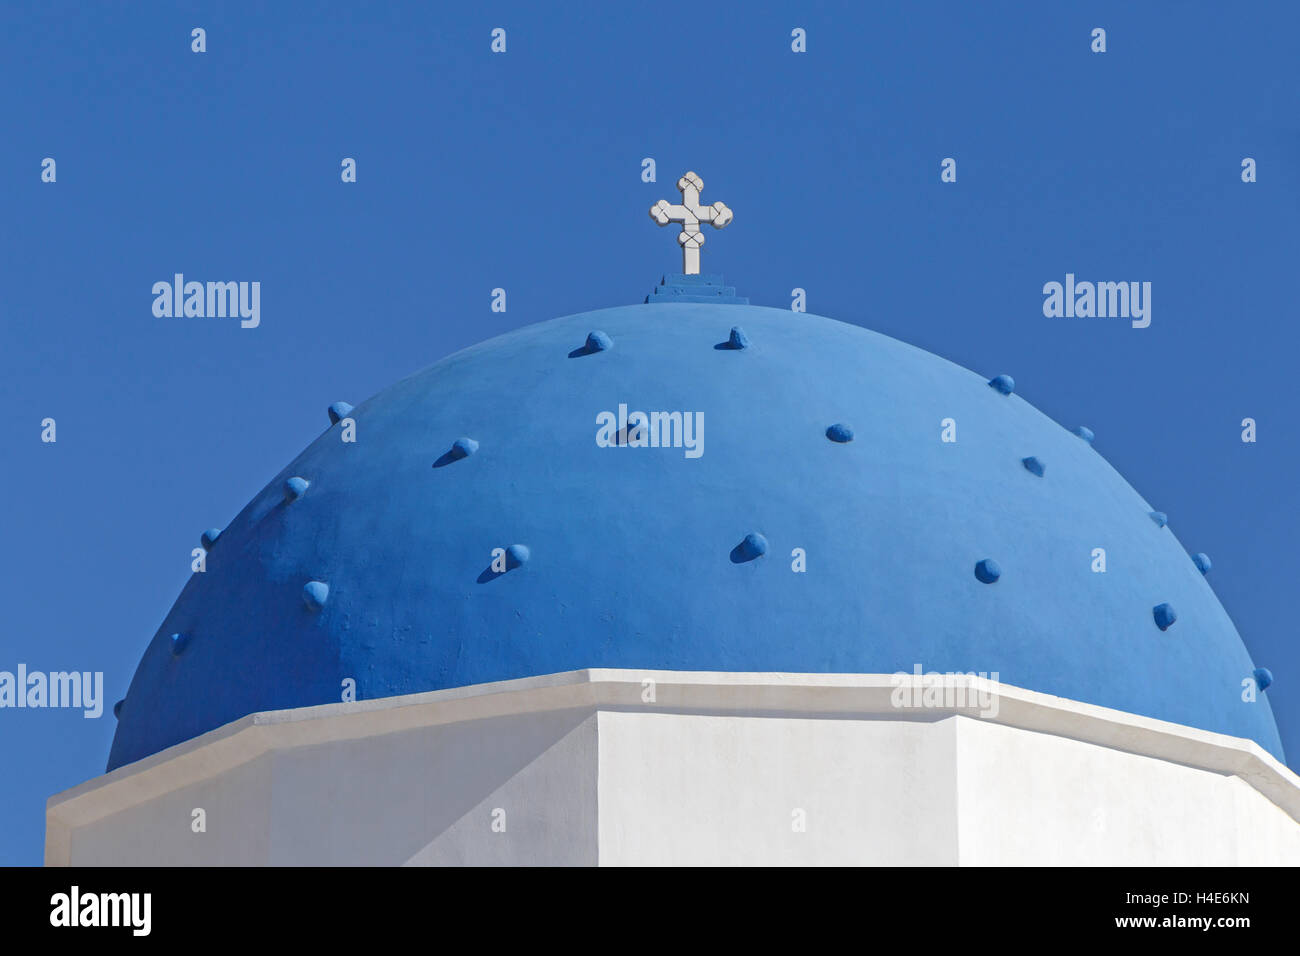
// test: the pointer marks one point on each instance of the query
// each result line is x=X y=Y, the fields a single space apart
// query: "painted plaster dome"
x=488 y=523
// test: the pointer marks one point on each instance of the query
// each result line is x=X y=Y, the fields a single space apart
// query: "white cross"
x=690 y=214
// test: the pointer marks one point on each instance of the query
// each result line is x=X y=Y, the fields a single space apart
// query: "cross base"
x=679 y=287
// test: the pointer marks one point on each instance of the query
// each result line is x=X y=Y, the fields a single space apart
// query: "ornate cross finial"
x=690 y=214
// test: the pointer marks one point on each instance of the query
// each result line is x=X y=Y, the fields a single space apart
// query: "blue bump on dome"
x=339 y=411
x=460 y=449
x=754 y=545
x=1160 y=518
x=840 y=432
x=1165 y=616
x=1084 y=432
x=1202 y=562
x=1003 y=383
x=737 y=339
x=179 y=643
x=315 y=594
x=463 y=447
x=117 y=709
x=1263 y=677
x=988 y=570
x=1033 y=466
x=636 y=540
x=209 y=538
x=517 y=555
x=295 y=488
x=597 y=342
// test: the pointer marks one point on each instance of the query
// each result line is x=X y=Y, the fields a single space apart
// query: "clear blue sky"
x=522 y=171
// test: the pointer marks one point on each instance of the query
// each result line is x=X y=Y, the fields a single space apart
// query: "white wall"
x=1024 y=797
x=688 y=789
x=158 y=832
x=422 y=796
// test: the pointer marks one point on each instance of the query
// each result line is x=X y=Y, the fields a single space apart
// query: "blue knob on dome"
x=988 y=570
x=315 y=594
x=517 y=555
x=738 y=339
x=1033 y=466
x=597 y=341
x=295 y=488
x=1084 y=432
x=754 y=546
x=1160 y=518
x=839 y=432
x=117 y=708
x=1164 y=615
x=179 y=643
x=339 y=411
x=463 y=448
x=1263 y=677
x=209 y=538
x=1202 y=562
x=1003 y=383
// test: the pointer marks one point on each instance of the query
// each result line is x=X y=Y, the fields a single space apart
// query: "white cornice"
x=849 y=696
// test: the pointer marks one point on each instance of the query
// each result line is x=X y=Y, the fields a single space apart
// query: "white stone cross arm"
x=690 y=214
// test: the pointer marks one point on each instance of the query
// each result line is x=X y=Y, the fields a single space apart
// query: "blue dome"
x=374 y=560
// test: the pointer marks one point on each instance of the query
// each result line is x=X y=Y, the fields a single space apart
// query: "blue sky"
x=522 y=170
